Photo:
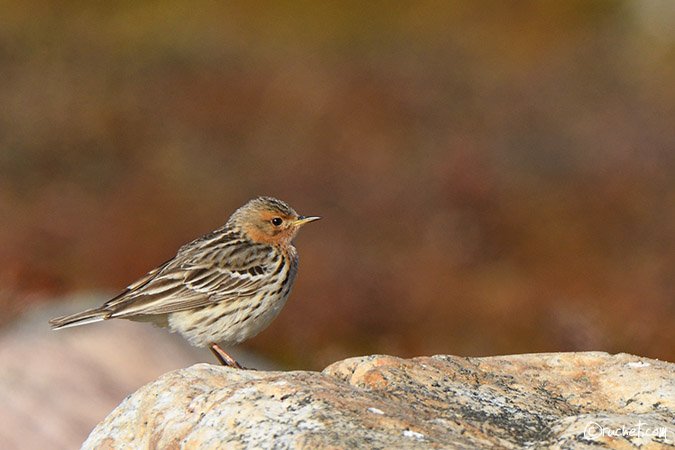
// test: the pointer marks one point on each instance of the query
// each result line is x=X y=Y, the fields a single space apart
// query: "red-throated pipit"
x=224 y=287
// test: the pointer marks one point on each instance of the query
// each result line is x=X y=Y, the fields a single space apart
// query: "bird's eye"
x=277 y=221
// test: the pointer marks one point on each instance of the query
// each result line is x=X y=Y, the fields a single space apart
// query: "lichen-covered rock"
x=560 y=400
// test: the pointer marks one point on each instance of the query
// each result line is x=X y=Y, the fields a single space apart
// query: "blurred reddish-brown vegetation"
x=495 y=177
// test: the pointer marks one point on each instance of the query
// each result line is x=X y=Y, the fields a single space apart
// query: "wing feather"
x=224 y=271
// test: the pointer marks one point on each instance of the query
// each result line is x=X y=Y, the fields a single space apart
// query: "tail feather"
x=81 y=318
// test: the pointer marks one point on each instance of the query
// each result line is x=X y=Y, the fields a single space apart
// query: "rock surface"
x=558 y=400
x=55 y=386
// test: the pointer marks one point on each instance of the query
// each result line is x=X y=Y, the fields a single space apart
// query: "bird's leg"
x=223 y=357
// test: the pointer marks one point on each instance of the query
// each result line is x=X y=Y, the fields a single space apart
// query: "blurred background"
x=494 y=177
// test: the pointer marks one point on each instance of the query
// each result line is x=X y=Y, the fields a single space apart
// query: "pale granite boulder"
x=558 y=400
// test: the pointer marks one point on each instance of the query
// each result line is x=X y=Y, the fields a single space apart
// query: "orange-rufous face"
x=273 y=227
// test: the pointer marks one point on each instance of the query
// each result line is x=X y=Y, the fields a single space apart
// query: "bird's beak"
x=300 y=221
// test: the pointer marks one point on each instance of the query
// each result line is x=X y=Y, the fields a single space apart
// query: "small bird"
x=224 y=287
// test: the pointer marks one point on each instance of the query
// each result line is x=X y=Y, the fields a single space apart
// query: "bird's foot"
x=223 y=357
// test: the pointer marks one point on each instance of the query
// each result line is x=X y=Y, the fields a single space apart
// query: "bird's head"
x=268 y=220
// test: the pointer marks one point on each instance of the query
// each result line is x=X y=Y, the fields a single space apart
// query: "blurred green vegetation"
x=495 y=177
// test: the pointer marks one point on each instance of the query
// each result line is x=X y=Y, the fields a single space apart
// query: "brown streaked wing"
x=136 y=285
x=180 y=285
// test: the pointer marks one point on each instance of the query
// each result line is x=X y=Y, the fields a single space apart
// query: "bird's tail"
x=81 y=318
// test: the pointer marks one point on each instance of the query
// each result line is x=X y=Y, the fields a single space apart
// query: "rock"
x=55 y=386
x=557 y=400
